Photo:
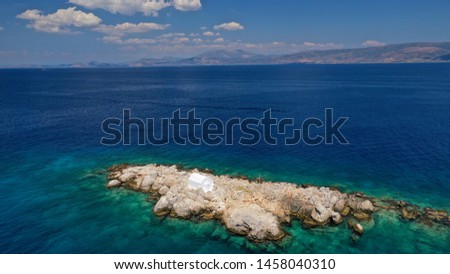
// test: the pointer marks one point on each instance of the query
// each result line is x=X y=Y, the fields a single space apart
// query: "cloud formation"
x=321 y=46
x=210 y=33
x=1 y=28
x=373 y=43
x=231 y=26
x=61 y=21
x=187 y=5
x=126 y=28
x=147 y=7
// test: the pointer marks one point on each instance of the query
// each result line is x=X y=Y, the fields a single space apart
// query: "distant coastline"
x=438 y=52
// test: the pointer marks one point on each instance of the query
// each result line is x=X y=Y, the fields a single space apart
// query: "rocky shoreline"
x=257 y=209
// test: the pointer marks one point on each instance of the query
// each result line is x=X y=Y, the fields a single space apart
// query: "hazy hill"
x=400 y=53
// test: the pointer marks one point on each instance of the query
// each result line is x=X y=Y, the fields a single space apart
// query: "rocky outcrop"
x=252 y=221
x=254 y=209
x=357 y=227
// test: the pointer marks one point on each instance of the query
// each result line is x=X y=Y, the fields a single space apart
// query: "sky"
x=68 y=31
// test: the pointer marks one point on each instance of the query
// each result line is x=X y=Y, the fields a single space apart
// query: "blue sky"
x=67 y=31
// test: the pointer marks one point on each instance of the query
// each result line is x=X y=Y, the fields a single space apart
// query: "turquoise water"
x=54 y=198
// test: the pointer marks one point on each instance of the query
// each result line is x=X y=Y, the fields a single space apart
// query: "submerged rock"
x=357 y=227
x=410 y=213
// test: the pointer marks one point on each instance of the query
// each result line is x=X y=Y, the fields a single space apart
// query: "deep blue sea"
x=53 y=195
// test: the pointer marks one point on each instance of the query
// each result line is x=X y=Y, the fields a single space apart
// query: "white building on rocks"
x=197 y=181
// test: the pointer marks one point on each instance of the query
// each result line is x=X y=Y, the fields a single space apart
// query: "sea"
x=53 y=165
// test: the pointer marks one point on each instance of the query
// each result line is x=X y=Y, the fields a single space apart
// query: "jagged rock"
x=255 y=210
x=148 y=181
x=254 y=222
x=336 y=217
x=169 y=181
x=339 y=206
x=367 y=206
x=163 y=190
x=305 y=210
x=127 y=177
x=114 y=183
x=162 y=207
x=321 y=214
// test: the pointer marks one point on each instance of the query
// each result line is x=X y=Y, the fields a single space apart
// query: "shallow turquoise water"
x=54 y=198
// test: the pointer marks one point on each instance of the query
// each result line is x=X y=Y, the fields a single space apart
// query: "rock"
x=437 y=216
x=114 y=175
x=127 y=177
x=169 y=181
x=256 y=210
x=357 y=227
x=309 y=223
x=163 y=190
x=361 y=215
x=148 y=181
x=138 y=182
x=345 y=211
x=295 y=205
x=321 y=214
x=254 y=222
x=367 y=206
x=181 y=210
x=114 y=183
x=305 y=210
x=162 y=207
x=402 y=203
x=336 y=217
x=339 y=206
x=409 y=213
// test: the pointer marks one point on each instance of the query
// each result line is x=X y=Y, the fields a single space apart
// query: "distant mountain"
x=226 y=57
x=400 y=53
x=154 y=62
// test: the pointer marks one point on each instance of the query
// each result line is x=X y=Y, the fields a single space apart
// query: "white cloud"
x=219 y=40
x=1 y=28
x=164 y=39
x=125 y=28
x=187 y=5
x=210 y=33
x=135 y=41
x=229 y=26
x=321 y=46
x=61 y=21
x=373 y=43
x=181 y=40
x=171 y=35
x=129 y=7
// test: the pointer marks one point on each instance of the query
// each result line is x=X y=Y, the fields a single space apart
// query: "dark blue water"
x=53 y=198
